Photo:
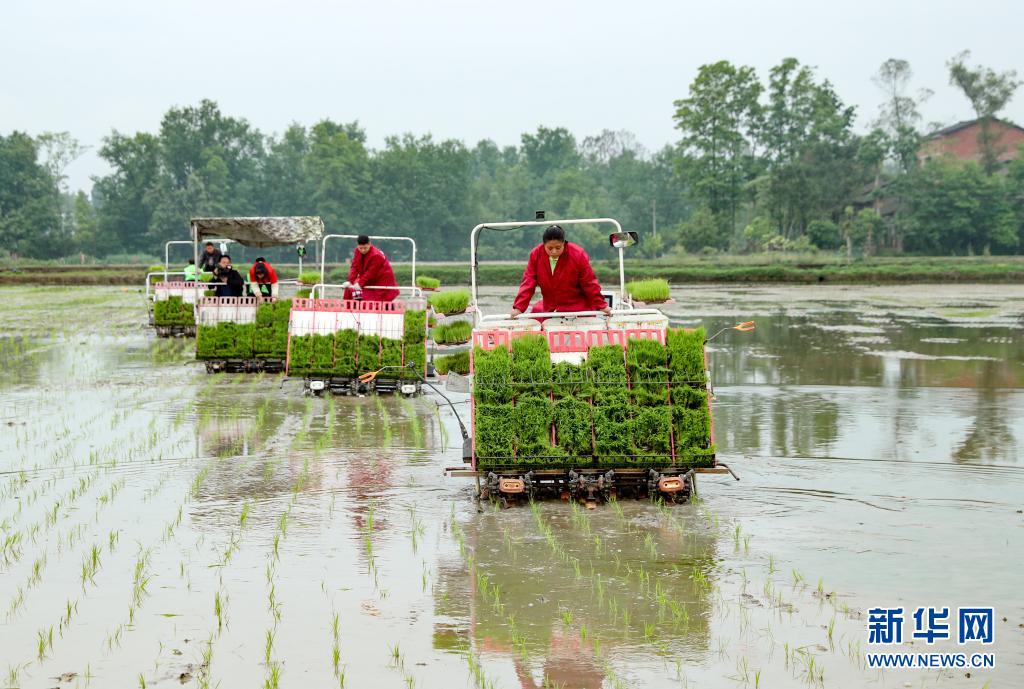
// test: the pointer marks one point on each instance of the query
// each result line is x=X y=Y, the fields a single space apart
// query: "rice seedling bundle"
x=424 y=282
x=225 y=341
x=309 y=277
x=450 y=303
x=173 y=311
x=635 y=407
x=653 y=291
x=458 y=362
x=457 y=332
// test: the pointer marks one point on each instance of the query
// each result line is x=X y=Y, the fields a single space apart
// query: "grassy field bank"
x=738 y=269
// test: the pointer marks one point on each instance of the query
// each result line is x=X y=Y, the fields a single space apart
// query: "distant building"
x=961 y=141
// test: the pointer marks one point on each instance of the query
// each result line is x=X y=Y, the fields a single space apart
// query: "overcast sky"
x=467 y=70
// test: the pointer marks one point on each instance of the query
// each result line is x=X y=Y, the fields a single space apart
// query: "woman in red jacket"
x=263 y=277
x=563 y=273
x=370 y=268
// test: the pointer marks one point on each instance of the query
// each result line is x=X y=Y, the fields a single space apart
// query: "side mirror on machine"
x=620 y=240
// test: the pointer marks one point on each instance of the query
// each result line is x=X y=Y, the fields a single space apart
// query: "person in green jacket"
x=190 y=271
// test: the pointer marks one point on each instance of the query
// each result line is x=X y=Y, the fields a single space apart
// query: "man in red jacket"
x=370 y=268
x=563 y=273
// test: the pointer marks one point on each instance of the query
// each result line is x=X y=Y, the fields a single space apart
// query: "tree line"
x=761 y=164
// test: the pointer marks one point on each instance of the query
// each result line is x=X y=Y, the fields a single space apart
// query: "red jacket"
x=270 y=279
x=572 y=287
x=372 y=269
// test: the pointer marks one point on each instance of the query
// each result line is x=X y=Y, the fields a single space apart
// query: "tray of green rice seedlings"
x=653 y=291
x=270 y=339
x=449 y=303
x=645 y=406
x=453 y=333
x=414 y=344
x=225 y=341
x=309 y=277
x=427 y=284
x=458 y=362
x=172 y=312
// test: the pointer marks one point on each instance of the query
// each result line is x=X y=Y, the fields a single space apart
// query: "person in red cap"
x=370 y=268
x=563 y=273
x=264 y=278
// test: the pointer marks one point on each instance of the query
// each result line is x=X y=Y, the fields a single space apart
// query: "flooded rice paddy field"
x=164 y=527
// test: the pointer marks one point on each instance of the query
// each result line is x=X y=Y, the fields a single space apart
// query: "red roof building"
x=961 y=142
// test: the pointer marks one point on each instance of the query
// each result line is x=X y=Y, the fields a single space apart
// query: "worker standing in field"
x=370 y=268
x=563 y=273
x=209 y=259
x=263 y=278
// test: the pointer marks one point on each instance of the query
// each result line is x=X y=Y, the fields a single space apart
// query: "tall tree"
x=549 y=151
x=718 y=121
x=339 y=166
x=123 y=200
x=957 y=207
x=809 y=146
x=422 y=188
x=899 y=114
x=30 y=222
x=988 y=92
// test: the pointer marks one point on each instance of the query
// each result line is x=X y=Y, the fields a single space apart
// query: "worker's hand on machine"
x=516 y=313
x=346 y=284
x=607 y=310
x=355 y=286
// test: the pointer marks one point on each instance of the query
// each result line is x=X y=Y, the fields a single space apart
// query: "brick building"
x=961 y=141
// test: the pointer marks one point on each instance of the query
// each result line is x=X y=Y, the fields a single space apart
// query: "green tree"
x=702 y=231
x=30 y=222
x=338 y=166
x=899 y=114
x=122 y=198
x=287 y=187
x=549 y=151
x=717 y=121
x=824 y=234
x=988 y=92
x=810 y=149
x=956 y=207
x=422 y=188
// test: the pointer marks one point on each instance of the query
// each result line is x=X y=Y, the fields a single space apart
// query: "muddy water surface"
x=160 y=526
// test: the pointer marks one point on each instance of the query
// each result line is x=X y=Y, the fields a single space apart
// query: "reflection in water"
x=543 y=587
x=993 y=434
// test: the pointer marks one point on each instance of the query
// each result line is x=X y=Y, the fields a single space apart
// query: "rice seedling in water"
x=273 y=677
x=268 y=645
